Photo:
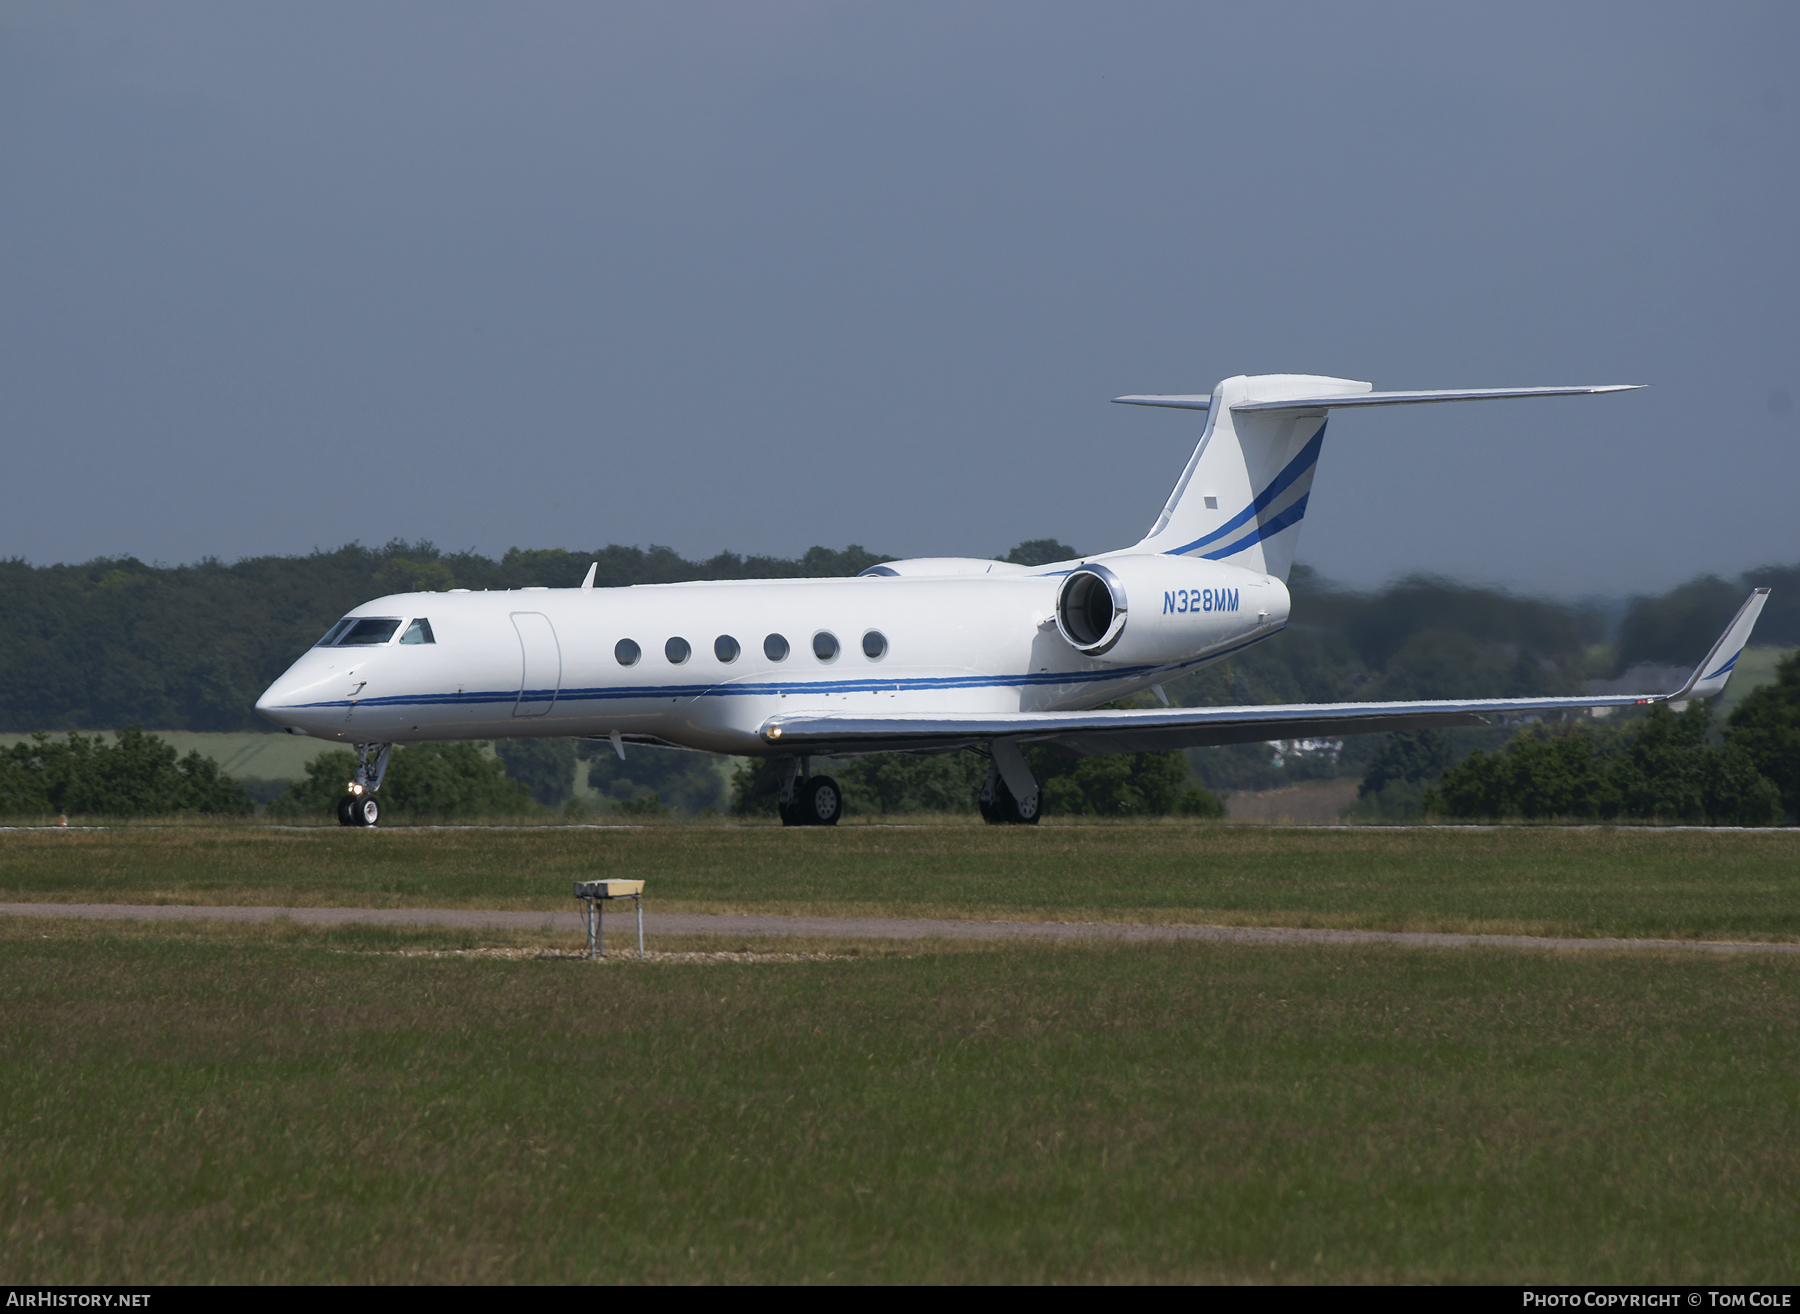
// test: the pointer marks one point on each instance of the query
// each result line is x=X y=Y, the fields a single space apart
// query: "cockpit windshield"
x=418 y=632
x=367 y=631
x=331 y=635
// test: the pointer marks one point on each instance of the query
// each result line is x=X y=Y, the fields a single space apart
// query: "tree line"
x=117 y=642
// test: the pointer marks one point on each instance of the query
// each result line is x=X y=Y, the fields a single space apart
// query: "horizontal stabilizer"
x=1180 y=401
x=1414 y=398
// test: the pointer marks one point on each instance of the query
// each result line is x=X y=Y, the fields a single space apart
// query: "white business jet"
x=927 y=655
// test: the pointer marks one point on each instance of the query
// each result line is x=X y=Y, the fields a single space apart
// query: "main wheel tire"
x=1005 y=809
x=790 y=812
x=821 y=802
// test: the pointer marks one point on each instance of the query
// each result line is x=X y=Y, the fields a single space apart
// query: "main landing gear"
x=1000 y=808
x=807 y=800
x=358 y=806
x=1011 y=796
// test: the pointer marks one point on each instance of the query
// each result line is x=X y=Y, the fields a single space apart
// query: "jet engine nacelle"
x=1150 y=609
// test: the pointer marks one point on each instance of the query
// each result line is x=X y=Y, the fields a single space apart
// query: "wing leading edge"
x=1142 y=730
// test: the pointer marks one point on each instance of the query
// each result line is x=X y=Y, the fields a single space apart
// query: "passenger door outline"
x=540 y=663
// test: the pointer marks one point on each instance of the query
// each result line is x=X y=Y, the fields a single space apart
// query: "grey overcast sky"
x=759 y=276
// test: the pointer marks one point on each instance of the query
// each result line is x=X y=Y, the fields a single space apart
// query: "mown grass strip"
x=280 y=1105
x=1528 y=881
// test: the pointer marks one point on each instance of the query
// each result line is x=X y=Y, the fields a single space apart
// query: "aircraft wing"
x=1144 y=729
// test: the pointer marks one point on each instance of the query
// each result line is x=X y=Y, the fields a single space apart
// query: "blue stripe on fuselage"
x=766 y=688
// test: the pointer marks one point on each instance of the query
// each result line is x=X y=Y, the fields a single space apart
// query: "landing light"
x=774 y=732
x=355 y=788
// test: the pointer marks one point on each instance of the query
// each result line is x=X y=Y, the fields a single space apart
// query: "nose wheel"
x=358 y=810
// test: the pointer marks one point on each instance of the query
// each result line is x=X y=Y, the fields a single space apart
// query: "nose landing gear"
x=358 y=806
x=358 y=810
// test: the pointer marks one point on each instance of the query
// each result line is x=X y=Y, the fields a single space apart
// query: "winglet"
x=1710 y=675
x=593 y=570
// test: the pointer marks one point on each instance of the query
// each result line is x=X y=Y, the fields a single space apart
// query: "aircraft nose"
x=289 y=702
x=270 y=705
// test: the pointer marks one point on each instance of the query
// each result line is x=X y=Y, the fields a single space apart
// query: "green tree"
x=1671 y=772
x=878 y=784
x=1040 y=552
x=1766 y=728
x=1536 y=776
x=1112 y=785
x=1156 y=784
x=453 y=781
x=1677 y=626
x=678 y=779
x=1404 y=764
x=1659 y=768
x=138 y=775
x=890 y=783
x=546 y=767
x=404 y=575
x=115 y=641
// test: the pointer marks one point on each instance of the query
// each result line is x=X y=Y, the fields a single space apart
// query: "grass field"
x=235 y=1104
x=1516 y=880
x=190 y=1102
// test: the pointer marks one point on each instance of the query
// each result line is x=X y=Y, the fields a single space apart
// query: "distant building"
x=1327 y=748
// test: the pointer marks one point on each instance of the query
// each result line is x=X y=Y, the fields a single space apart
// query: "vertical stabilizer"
x=1244 y=492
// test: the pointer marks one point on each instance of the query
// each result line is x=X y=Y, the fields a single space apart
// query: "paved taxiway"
x=858 y=928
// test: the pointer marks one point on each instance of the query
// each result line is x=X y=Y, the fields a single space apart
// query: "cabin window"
x=874 y=645
x=331 y=634
x=677 y=651
x=825 y=645
x=775 y=648
x=418 y=632
x=627 y=652
x=369 y=631
x=725 y=648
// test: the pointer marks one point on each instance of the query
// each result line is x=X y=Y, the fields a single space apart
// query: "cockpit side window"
x=368 y=631
x=331 y=635
x=418 y=632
